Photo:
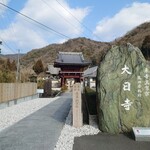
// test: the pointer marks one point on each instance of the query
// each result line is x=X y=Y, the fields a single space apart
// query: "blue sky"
x=97 y=20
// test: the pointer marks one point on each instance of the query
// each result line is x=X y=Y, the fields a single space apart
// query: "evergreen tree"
x=38 y=67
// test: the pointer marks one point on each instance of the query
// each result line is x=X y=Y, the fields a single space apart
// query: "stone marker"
x=141 y=134
x=77 y=106
x=47 y=88
x=123 y=91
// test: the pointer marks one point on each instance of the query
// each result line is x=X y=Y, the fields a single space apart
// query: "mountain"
x=13 y=56
x=139 y=37
x=135 y=36
x=92 y=50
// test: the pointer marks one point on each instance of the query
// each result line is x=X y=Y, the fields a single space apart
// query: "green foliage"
x=40 y=84
x=90 y=96
x=38 y=67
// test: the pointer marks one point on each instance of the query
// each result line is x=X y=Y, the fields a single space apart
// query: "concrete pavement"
x=40 y=130
x=105 y=141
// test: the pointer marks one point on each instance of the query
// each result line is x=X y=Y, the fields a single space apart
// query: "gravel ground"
x=11 y=115
x=68 y=133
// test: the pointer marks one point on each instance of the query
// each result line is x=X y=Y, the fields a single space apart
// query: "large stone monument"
x=77 y=106
x=123 y=90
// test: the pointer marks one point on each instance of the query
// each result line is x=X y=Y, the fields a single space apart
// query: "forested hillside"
x=92 y=50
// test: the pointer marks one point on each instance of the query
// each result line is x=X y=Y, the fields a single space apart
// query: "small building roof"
x=70 y=58
x=53 y=70
x=90 y=72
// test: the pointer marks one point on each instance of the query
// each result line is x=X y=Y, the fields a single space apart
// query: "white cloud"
x=110 y=28
x=2 y=8
x=27 y=35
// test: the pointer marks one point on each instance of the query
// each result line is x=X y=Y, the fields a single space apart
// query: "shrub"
x=90 y=96
x=64 y=88
x=40 y=84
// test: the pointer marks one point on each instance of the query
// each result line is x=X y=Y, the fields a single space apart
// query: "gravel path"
x=68 y=133
x=11 y=115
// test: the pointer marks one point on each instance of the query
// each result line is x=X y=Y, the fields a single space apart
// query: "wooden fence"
x=12 y=91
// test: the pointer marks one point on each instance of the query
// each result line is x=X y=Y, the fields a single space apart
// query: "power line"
x=61 y=15
x=4 y=43
x=39 y=23
x=11 y=28
x=74 y=16
x=55 y=10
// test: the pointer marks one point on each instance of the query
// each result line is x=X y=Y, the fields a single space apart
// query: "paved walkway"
x=40 y=130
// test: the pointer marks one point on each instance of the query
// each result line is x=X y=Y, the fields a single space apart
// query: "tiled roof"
x=53 y=70
x=70 y=58
x=90 y=72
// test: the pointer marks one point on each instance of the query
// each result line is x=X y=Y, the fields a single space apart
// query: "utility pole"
x=18 y=67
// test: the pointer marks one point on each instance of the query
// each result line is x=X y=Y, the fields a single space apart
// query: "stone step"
x=141 y=133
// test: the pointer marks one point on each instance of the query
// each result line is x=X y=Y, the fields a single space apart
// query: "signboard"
x=77 y=106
